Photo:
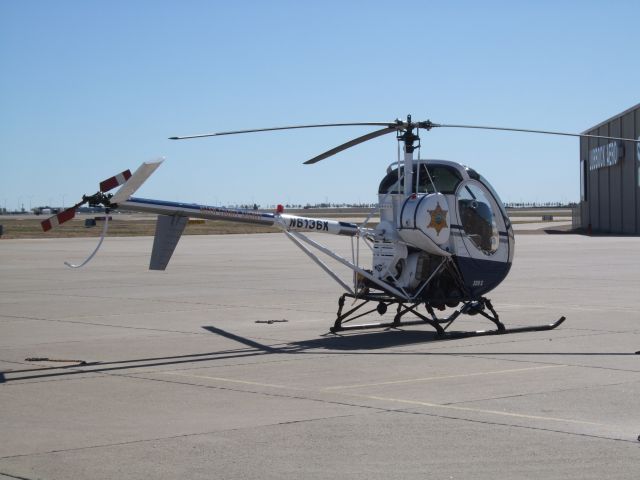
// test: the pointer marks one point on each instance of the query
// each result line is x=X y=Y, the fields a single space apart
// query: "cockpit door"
x=483 y=240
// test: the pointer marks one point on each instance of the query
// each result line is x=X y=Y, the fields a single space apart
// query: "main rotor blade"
x=354 y=142
x=525 y=130
x=292 y=127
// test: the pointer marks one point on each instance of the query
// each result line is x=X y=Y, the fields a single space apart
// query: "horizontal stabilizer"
x=143 y=172
x=169 y=228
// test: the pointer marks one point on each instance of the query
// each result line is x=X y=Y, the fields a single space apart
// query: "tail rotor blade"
x=58 y=219
x=115 y=181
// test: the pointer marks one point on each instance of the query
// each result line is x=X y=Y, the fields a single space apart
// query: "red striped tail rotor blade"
x=115 y=181
x=58 y=219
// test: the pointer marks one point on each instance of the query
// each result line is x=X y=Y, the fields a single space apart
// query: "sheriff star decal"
x=438 y=218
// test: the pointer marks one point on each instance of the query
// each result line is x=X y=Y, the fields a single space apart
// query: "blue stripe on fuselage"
x=196 y=207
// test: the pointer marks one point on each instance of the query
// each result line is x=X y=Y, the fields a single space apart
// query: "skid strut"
x=482 y=307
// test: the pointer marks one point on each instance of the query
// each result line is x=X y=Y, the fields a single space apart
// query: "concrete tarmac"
x=221 y=367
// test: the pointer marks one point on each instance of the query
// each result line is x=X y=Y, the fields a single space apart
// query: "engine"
x=412 y=240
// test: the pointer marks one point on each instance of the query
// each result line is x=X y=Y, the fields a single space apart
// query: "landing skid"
x=482 y=306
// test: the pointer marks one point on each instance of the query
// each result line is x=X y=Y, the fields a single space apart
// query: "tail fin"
x=169 y=228
x=143 y=172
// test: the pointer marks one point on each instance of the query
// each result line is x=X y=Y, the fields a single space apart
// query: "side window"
x=389 y=184
x=478 y=218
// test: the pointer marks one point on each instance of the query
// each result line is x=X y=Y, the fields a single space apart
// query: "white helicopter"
x=444 y=238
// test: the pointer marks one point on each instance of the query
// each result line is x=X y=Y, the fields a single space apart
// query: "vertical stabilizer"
x=133 y=183
x=169 y=228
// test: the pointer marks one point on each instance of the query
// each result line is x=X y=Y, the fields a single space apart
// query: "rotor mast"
x=409 y=139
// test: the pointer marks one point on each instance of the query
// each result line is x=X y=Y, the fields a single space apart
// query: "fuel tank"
x=424 y=222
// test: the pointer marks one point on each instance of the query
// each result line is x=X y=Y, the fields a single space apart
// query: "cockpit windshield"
x=425 y=177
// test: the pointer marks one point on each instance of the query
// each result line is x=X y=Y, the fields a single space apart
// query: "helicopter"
x=444 y=239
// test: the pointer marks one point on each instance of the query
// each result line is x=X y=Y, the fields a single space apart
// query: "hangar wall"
x=610 y=176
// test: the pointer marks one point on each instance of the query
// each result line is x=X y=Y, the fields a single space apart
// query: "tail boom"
x=194 y=210
x=283 y=221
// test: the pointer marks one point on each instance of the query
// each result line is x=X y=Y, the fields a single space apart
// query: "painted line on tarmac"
x=413 y=402
x=232 y=380
x=443 y=377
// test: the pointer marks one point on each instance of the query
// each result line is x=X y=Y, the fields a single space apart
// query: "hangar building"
x=610 y=177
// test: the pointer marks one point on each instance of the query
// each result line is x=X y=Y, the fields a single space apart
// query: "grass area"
x=30 y=228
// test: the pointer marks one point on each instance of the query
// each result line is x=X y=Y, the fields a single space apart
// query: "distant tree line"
x=540 y=204
x=245 y=206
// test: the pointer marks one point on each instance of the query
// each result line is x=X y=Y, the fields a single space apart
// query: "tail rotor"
x=100 y=198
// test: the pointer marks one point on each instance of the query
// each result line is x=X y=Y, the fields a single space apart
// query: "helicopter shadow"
x=377 y=342
x=380 y=340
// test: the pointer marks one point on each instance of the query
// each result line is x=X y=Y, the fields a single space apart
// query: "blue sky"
x=90 y=88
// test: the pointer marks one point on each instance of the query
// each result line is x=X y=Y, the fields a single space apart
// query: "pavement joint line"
x=255 y=392
x=103 y=324
x=8 y=475
x=173 y=437
x=598 y=367
x=476 y=410
x=453 y=404
x=439 y=344
x=393 y=410
x=412 y=402
x=443 y=377
x=376 y=409
x=63 y=342
x=513 y=425
x=326 y=389
x=545 y=392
